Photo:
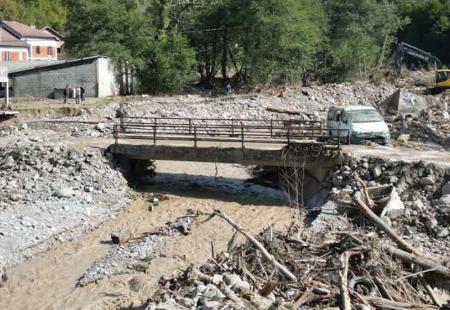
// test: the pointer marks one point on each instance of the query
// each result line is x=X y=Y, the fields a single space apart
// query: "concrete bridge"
x=291 y=143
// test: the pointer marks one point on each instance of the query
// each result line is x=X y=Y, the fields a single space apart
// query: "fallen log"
x=383 y=303
x=385 y=227
x=421 y=261
x=343 y=283
x=280 y=267
x=284 y=111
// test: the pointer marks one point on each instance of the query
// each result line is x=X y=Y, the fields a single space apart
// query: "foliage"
x=429 y=27
x=361 y=32
x=108 y=27
x=260 y=41
x=170 y=65
x=40 y=13
x=248 y=41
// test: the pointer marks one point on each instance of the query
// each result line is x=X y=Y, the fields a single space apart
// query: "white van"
x=363 y=123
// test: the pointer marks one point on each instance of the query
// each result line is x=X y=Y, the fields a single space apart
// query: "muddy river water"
x=48 y=280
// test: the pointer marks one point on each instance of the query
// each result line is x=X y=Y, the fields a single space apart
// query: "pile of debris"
x=295 y=269
x=416 y=197
x=431 y=125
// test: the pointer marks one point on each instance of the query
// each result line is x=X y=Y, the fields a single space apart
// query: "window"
x=365 y=116
x=50 y=51
x=38 y=49
x=441 y=76
x=8 y=56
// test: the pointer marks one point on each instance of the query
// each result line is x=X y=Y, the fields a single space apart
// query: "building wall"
x=13 y=54
x=43 y=82
x=108 y=83
x=41 y=49
x=95 y=76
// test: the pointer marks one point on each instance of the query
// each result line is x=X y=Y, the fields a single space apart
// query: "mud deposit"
x=49 y=280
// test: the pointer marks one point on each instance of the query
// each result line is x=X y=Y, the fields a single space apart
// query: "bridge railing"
x=243 y=131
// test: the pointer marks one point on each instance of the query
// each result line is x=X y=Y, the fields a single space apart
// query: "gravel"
x=49 y=192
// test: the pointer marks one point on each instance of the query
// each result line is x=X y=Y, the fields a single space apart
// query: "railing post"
x=339 y=138
x=232 y=127
x=190 y=126
x=242 y=137
x=271 y=128
x=155 y=124
x=116 y=134
x=289 y=134
x=195 y=136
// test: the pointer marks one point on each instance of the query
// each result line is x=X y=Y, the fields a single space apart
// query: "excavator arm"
x=405 y=49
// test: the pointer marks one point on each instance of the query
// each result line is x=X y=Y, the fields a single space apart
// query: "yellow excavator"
x=442 y=81
x=442 y=76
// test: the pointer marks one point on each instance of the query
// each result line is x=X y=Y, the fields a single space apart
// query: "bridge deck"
x=250 y=142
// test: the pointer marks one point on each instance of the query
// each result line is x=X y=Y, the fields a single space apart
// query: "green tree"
x=35 y=12
x=264 y=41
x=361 y=33
x=170 y=65
x=429 y=27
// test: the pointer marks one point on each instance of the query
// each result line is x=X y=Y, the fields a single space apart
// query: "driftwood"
x=383 y=303
x=430 y=291
x=385 y=227
x=284 y=111
x=283 y=269
x=421 y=261
x=343 y=283
x=366 y=190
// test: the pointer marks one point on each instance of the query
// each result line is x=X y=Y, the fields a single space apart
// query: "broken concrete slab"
x=403 y=102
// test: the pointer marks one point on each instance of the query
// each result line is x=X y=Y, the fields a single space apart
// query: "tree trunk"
x=225 y=54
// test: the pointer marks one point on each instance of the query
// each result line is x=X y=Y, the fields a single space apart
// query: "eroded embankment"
x=50 y=192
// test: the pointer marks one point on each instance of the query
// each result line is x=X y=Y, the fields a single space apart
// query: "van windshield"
x=364 y=116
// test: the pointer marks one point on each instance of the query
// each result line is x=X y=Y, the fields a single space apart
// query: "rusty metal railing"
x=242 y=131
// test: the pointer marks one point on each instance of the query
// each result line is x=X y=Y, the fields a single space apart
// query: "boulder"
x=444 y=202
x=446 y=189
x=64 y=192
x=395 y=207
x=403 y=138
x=9 y=161
x=428 y=180
x=121 y=236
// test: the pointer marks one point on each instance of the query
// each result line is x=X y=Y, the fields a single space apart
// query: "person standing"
x=82 y=93
x=66 y=94
x=77 y=95
x=74 y=93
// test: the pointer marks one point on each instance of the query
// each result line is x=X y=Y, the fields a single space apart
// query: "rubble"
x=49 y=191
x=419 y=188
x=429 y=126
x=132 y=254
x=374 y=275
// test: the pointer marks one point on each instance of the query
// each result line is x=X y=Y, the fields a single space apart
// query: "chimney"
x=32 y=26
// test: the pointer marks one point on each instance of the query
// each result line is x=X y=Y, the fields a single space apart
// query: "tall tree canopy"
x=40 y=13
x=429 y=26
x=171 y=43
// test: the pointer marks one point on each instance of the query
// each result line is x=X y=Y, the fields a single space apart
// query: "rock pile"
x=134 y=255
x=422 y=189
x=432 y=125
x=258 y=106
x=50 y=190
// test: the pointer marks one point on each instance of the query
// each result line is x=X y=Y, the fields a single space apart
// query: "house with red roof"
x=19 y=42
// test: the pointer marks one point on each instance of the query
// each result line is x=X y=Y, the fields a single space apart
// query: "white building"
x=19 y=42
